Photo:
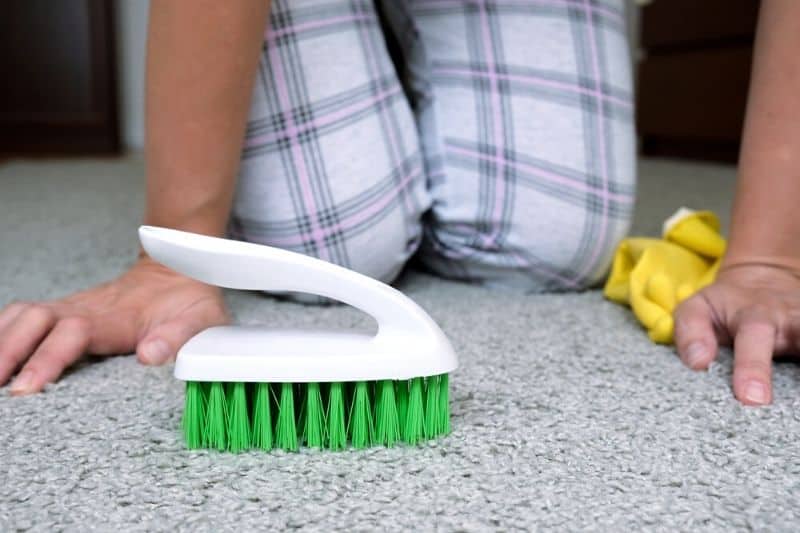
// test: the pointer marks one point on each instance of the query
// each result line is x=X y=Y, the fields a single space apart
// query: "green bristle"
x=194 y=414
x=432 y=407
x=286 y=429
x=444 y=405
x=402 y=404
x=262 y=418
x=387 y=426
x=337 y=430
x=205 y=387
x=238 y=419
x=360 y=424
x=314 y=427
x=415 y=416
x=237 y=416
x=216 y=418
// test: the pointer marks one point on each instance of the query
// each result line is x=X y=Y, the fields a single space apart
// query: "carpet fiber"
x=564 y=415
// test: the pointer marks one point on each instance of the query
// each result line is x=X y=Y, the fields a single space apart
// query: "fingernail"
x=756 y=393
x=695 y=354
x=155 y=352
x=22 y=384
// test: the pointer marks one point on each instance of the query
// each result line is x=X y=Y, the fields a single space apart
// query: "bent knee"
x=540 y=254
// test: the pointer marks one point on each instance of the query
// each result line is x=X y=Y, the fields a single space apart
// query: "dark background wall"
x=58 y=64
x=692 y=81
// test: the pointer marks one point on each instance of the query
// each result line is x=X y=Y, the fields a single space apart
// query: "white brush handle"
x=248 y=266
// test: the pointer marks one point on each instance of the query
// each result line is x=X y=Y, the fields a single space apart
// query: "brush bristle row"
x=265 y=416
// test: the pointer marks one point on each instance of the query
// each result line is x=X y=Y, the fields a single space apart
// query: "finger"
x=162 y=343
x=754 y=345
x=695 y=338
x=9 y=313
x=22 y=336
x=65 y=344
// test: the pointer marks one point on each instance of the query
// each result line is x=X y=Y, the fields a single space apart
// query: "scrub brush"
x=259 y=388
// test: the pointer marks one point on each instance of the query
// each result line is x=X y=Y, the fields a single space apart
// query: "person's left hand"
x=754 y=308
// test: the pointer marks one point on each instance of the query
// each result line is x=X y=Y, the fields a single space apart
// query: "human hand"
x=149 y=309
x=753 y=307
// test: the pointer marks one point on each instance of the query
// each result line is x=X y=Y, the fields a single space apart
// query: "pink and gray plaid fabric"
x=498 y=146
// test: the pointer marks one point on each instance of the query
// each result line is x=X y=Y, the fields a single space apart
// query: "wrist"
x=210 y=219
x=768 y=249
x=763 y=263
x=145 y=262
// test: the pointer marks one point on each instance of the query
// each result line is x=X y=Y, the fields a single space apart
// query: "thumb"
x=161 y=344
x=695 y=338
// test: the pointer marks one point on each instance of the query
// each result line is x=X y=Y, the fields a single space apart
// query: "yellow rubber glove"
x=654 y=275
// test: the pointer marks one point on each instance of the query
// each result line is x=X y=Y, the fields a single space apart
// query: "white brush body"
x=408 y=342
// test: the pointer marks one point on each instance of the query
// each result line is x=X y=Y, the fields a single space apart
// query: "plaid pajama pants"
x=491 y=139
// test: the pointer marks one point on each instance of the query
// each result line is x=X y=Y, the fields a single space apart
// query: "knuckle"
x=747 y=369
x=38 y=312
x=757 y=325
x=758 y=309
x=682 y=324
x=687 y=317
x=17 y=305
x=688 y=302
x=690 y=307
x=754 y=317
x=77 y=325
x=754 y=364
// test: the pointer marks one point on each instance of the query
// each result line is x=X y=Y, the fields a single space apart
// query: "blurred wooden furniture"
x=692 y=85
x=58 y=65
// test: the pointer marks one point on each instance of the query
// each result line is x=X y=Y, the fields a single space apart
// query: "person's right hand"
x=149 y=309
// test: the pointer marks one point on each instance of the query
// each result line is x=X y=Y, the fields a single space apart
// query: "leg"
x=533 y=163
x=331 y=165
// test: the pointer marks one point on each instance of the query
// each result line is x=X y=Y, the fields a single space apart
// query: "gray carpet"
x=564 y=415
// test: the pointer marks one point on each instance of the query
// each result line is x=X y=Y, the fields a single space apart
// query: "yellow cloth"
x=654 y=275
